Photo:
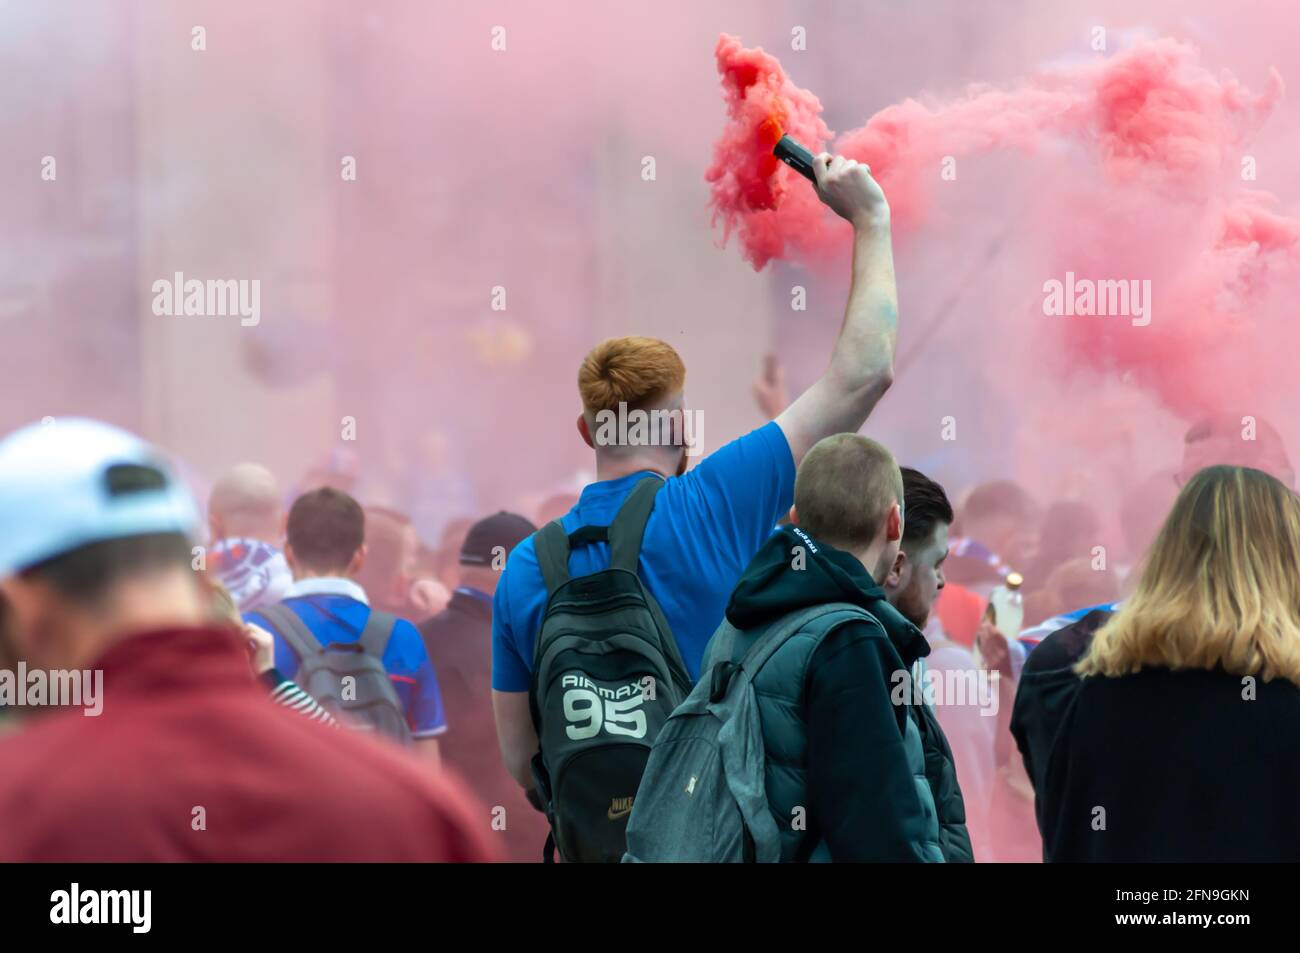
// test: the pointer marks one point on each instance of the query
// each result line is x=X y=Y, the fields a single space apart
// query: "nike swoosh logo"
x=614 y=815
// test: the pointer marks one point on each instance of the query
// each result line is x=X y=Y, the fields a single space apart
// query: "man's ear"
x=898 y=572
x=23 y=598
x=794 y=516
x=290 y=559
x=358 y=560
x=585 y=431
x=214 y=527
x=894 y=524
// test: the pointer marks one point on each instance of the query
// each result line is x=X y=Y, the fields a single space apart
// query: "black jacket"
x=1175 y=766
x=459 y=643
x=941 y=772
x=848 y=714
x=1046 y=688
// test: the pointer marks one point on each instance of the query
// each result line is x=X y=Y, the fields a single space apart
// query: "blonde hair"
x=222 y=605
x=1220 y=587
x=844 y=489
x=635 y=371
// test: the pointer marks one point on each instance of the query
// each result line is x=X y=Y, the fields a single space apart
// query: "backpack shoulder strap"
x=624 y=535
x=762 y=650
x=724 y=665
x=722 y=647
x=376 y=633
x=292 y=629
x=628 y=528
x=552 y=546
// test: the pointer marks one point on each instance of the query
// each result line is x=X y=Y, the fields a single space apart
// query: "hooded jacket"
x=836 y=743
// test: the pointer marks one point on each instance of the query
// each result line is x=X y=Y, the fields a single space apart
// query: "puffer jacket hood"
x=792 y=570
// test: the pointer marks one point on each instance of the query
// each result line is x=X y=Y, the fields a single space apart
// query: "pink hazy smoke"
x=752 y=191
x=1158 y=190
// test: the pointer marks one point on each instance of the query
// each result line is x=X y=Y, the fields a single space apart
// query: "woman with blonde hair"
x=1183 y=741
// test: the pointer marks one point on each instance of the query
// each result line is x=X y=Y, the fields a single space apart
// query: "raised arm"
x=862 y=364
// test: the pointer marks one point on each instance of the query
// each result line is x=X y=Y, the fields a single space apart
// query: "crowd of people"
x=727 y=648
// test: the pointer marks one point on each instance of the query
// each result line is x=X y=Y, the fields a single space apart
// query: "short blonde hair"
x=1220 y=587
x=635 y=371
x=844 y=490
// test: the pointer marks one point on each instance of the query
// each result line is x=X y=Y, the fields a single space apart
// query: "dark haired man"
x=325 y=548
x=912 y=588
x=917 y=578
x=187 y=760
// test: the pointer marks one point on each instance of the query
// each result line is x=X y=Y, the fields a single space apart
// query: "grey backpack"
x=371 y=703
x=703 y=797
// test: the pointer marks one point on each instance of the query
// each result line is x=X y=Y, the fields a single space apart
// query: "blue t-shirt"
x=705 y=528
x=340 y=618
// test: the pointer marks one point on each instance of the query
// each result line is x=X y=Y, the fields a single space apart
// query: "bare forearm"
x=862 y=364
x=515 y=735
x=520 y=769
x=429 y=750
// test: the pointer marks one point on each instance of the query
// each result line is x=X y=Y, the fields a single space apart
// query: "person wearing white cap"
x=186 y=759
x=97 y=540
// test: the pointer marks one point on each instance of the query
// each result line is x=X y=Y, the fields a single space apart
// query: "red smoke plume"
x=1162 y=196
x=752 y=191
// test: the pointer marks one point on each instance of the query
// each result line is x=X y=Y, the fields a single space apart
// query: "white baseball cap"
x=68 y=482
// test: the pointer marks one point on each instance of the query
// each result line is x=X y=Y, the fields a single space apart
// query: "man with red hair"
x=706 y=524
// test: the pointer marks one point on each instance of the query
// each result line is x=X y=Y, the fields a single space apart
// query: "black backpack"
x=607 y=673
x=372 y=704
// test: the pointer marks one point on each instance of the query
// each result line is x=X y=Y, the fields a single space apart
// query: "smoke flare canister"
x=795 y=156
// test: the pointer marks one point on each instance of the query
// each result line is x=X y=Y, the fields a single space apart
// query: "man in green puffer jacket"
x=845 y=767
x=912 y=589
